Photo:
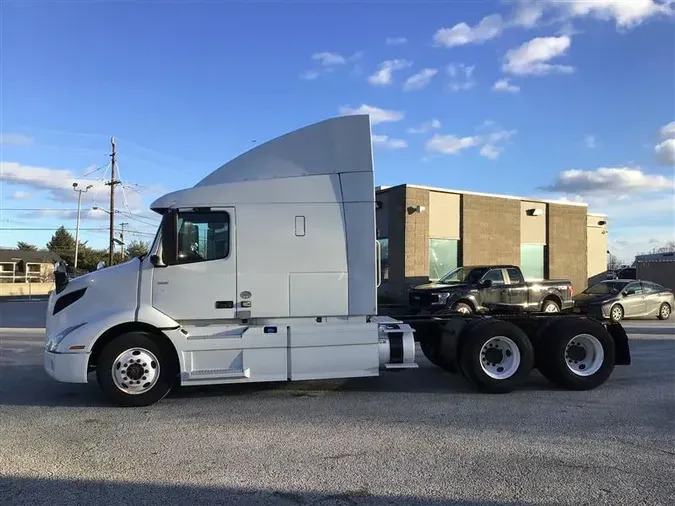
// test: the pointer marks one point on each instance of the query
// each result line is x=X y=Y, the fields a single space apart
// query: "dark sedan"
x=616 y=299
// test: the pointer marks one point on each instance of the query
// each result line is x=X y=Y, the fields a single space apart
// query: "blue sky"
x=539 y=98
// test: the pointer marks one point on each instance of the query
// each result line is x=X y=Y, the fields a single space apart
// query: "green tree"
x=137 y=248
x=24 y=246
x=63 y=244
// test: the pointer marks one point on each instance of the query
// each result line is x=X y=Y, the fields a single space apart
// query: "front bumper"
x=597 y=311
x=67 y=367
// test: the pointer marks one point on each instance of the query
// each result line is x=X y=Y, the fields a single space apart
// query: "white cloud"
x=665 y=152
x=377 y=115
x=419 y=80
x=383 y=76
x=532 y=57
x=67 y=214
x=21 y=195
x=387 y=142
x=590 y=141
x=625 y=13
x=528 y=13
x=396 y=41
x=461 y=76
x=449 y=144
x=328 y=59
x=310 y=75
x=609 y=180
x=505 y=86
x=14 y=140
x=461 y=34
x=668 y=131
x=491 y=152
x=425 y=127
x=59 y=184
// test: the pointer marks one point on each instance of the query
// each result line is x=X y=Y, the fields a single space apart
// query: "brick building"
x=426 y=232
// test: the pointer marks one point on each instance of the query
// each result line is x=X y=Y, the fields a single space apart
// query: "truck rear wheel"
x=496 y=356
x=576 y=354
x=134 y=371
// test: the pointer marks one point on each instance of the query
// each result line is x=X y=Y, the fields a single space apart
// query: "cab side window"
x=495 y=275
x=515 y=277
x=203 y=236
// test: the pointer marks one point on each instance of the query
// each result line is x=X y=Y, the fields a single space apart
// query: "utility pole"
x=112 y=183
x=77 y=225
x=122 y=225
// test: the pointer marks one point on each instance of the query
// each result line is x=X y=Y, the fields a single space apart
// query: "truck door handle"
x=224 y=304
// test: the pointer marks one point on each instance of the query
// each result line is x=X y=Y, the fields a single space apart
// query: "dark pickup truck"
x=485 y=288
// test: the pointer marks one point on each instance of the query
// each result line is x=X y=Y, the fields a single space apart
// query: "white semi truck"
x=267 y=270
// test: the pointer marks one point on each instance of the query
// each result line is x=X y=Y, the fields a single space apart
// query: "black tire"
x=166 y=365
x=616 y=313
x=552 y=358
x=552 y=304
x=462 y=307
x=664 y=311
x=471 y=357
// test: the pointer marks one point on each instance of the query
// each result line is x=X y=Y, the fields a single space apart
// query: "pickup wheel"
x=496 y=356
x=134 y=371
x=576 y=354
x=462 y=307
x=550 y=306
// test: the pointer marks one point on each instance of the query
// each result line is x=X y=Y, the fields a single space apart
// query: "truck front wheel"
x=133 y=370
x=496 y=356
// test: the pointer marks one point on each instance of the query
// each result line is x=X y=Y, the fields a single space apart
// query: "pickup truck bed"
x=485 y=288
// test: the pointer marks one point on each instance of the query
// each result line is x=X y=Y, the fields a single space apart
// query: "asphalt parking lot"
x=417 y=437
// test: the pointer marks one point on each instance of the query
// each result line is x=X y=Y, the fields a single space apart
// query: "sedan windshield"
x=463 y=275
x=606 y=288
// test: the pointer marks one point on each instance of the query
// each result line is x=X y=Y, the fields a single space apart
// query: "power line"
x=8 y=229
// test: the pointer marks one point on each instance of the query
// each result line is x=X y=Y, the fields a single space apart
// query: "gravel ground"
x=416 y=437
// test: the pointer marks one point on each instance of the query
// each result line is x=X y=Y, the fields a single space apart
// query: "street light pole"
x=77 y=224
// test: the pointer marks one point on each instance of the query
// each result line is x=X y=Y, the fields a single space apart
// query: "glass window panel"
x=443 y=257
x=532 y=261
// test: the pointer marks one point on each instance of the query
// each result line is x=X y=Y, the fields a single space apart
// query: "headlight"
x=442 y=298
x=53 y=343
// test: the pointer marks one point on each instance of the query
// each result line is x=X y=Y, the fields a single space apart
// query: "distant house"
x=22 y=266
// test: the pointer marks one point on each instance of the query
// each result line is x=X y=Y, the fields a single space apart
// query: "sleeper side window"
x=203 y=236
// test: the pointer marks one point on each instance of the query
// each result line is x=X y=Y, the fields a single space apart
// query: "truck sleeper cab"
x=267 y=270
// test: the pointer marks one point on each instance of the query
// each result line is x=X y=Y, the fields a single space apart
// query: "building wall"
x=596 y=237
x=444 y=212
x=532 y=228
x=567 y=244
x=490 y=229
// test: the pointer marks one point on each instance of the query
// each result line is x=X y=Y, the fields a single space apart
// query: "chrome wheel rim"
x=665 y=311
x=550 y=308
x=617 y=313
x=463 y=310
x=135 y=371
x=584 y=355
x=499 y=357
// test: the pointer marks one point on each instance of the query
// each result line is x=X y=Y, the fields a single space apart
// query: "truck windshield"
x=463 y=275
x=606 y=288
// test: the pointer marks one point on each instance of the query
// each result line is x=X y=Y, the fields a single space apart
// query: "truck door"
x=202 y=284
x=497 y=293
x=518 y=288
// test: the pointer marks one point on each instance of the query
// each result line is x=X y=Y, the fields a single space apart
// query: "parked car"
x=625 y=298
x=483 y=288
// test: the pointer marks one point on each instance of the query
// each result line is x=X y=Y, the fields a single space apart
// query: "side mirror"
x=169 y=243
x=60 y=277
x=100 y=265
x=487 y=283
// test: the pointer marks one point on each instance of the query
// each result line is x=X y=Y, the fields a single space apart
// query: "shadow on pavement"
x=30 y=491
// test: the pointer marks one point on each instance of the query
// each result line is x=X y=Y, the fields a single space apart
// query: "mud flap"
x=620 y=337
